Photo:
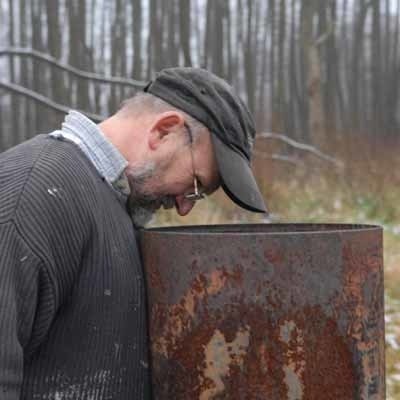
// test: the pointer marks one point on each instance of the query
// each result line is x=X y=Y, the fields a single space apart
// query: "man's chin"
x=142 y=209
x=141 y=216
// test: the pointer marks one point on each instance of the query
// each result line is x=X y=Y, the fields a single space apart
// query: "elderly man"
x=72 y=296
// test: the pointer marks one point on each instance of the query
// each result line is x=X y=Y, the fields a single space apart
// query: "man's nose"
x=183 y=206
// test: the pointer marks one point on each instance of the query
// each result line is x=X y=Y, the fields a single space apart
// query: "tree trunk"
x=137 y=39
x=118 y=52
x=249 y=62
x=184 y=25
x=172 y=45
x=281 y=89
x=217 y=39
x=101 y=61
x=13 y=76
x=228 y=44
x=392 y=79
x=262 y=107
x=314 y=80
x=306 y=55
x=295 y=98
x=198 y=33
x=208 y=34
x=37 y=44
x=56 y=87
x=272 y=79
x=239 y=45
x=26 y=77
x=378 y=122
x=78 y=53
x=82 y=61
x=155 y=39
x=4 y=124
x=356 y=76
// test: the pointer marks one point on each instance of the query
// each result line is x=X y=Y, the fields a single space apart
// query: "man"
x=72 y=300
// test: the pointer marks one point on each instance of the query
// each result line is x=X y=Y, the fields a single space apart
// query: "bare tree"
x=78 y=52
x=172 y=38
x=272 y=69
x=261 y=110
x=376 y=66
x=249 y=64
x=184 y=25
x=57 y=89
x=37 y=72
x=281 y=81
x=13 y=72
x=294 y=105
x=228 y=41
x=118 y=53
x=392 y=86
x=208 y=34
x=154 y=47
x=217 y=43
x=355 y=76
x=137 y=38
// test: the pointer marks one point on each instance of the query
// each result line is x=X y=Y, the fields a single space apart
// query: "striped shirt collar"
x=107 y=159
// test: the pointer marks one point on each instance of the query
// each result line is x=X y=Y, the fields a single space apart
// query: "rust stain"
x=180 y=317
x=362 y=264
x=181 y=314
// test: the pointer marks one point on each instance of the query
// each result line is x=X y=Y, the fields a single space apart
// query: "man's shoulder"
x=15 y=166
x=40 y=169
x=23 y=157
x=43 y=156
x=19 y=158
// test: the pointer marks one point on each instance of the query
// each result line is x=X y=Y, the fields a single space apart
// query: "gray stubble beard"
x=142 y=204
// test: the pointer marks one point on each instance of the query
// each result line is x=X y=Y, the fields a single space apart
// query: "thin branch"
x=302 y=146
x=279 y=157
x=82 y=74
x=45 y=100
x=325 y=36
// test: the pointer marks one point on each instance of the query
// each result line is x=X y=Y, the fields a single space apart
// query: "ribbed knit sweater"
x=72 y=301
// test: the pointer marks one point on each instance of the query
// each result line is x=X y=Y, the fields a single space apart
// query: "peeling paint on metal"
x=295 y=356
x=286 y=331
x=219 y=356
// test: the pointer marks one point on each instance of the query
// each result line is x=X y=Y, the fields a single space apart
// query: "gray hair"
x=146 y=102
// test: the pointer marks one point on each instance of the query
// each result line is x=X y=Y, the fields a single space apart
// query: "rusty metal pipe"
x=272 y=311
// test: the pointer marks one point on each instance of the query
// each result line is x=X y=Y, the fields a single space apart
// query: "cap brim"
x=237 y=178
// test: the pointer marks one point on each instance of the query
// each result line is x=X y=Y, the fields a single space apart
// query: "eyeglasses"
x=197 y=194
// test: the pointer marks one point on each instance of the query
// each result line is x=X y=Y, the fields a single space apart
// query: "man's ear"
x=164 y=124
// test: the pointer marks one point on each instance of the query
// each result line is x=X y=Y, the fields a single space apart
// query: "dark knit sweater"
x=72 y=302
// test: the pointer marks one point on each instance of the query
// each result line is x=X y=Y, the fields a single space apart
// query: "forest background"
x=320 y=76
